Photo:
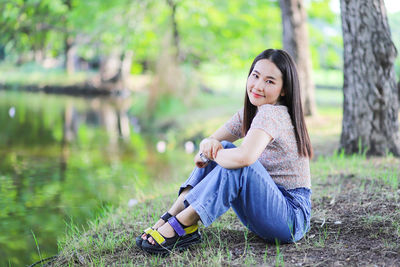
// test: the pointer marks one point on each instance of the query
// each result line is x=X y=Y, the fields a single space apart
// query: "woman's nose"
x=259 y=84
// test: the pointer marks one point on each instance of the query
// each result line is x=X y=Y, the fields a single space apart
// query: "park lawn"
x=355 y=219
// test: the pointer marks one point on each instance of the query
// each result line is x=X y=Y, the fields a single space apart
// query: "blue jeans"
x=267 y=209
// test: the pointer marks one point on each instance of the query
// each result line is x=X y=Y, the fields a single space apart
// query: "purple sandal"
x=139 y=239
x=185 y=236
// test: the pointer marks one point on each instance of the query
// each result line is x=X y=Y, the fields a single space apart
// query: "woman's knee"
x=227 y=144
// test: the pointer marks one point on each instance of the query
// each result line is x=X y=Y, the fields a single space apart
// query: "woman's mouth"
x=256 y=95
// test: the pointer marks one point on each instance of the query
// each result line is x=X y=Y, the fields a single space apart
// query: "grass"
x=354 y=202
x=37 y=245
x=355 y=220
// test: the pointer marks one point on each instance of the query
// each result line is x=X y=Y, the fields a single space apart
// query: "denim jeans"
x=267 y=209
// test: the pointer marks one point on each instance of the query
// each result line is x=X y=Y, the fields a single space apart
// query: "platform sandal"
x=139 y=239
x=184 y=237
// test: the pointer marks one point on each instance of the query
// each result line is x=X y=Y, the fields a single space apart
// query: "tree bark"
x=295 y=42
x=126 y=64
x=172 y=4
x=69 y=47
x=370 y=108
x=70 y=54
x=398 y=91
x=110 y=66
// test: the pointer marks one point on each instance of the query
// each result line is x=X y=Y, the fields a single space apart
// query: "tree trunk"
x=295 y=42
x=370 y=108
x=398 y=91
x=69 y=47
x=126 y=65
x=70 y=54
x=2 y=52
x=110 y=66
x=172 y=4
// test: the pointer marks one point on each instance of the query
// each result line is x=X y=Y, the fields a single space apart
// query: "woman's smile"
x=256 y=95
x=264 y=84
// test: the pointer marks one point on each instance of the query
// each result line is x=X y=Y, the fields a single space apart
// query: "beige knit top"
x=280 y=158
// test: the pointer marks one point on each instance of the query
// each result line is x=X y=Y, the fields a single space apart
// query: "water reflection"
x=64 y=158
x=111 y=113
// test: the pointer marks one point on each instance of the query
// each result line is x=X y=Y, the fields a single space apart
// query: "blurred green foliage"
x=227 y=33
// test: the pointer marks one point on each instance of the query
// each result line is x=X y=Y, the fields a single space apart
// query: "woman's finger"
x=211 y=153
x=207 y=151
x=215 y=150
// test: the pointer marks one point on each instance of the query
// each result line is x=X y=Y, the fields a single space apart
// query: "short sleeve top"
x=280 y=158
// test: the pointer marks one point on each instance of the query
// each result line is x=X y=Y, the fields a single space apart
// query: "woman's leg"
x=195 y=177
x=176 y=208
x=198 y=174
x=253 y=195
x=250 y=191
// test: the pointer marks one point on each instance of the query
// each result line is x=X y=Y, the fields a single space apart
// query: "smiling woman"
x=264 y=85
x=266 y=180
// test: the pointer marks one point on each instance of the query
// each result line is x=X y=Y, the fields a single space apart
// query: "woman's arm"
x=247 y=153
x=210 y=146
x=223 y=134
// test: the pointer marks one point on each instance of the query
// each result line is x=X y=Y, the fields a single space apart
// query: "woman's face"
x=264 y=85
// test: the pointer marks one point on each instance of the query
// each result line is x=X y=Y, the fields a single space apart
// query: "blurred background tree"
x=101 y=36
x=295 y=41
x=169 y=49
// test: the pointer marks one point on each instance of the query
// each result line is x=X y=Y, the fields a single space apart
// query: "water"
x=63 y=158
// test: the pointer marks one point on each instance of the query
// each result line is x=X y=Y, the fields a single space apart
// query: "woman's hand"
x=199 y=162
x=209 y=147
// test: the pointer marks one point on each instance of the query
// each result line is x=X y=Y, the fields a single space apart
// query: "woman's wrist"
x=216 y=155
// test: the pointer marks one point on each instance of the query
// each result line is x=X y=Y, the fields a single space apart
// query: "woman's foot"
x=165 y=230
x=176 y=208
x=157 y=225
x=172 y=235
x=186 y=217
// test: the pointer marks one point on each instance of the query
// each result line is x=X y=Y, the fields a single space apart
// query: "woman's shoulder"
x=240 y=113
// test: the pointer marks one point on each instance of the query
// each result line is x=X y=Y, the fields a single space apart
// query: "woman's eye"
x=255 y=75
x=269 y=81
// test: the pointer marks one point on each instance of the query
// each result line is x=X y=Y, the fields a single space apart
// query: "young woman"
x=266 y=180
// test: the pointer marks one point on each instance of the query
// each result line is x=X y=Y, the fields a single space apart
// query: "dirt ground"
x=357 y=226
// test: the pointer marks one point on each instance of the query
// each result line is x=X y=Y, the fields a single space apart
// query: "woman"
x=266 y=180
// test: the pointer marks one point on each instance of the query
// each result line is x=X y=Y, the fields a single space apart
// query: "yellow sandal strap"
x=148 y=230
x=157 y=237
x=191 y=229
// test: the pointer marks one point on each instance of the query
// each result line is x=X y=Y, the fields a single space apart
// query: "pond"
x=63 y=159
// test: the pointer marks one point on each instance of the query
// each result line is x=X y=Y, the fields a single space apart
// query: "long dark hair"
x=291 y=98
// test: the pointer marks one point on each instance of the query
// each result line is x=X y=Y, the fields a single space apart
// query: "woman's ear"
x=283 y=92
